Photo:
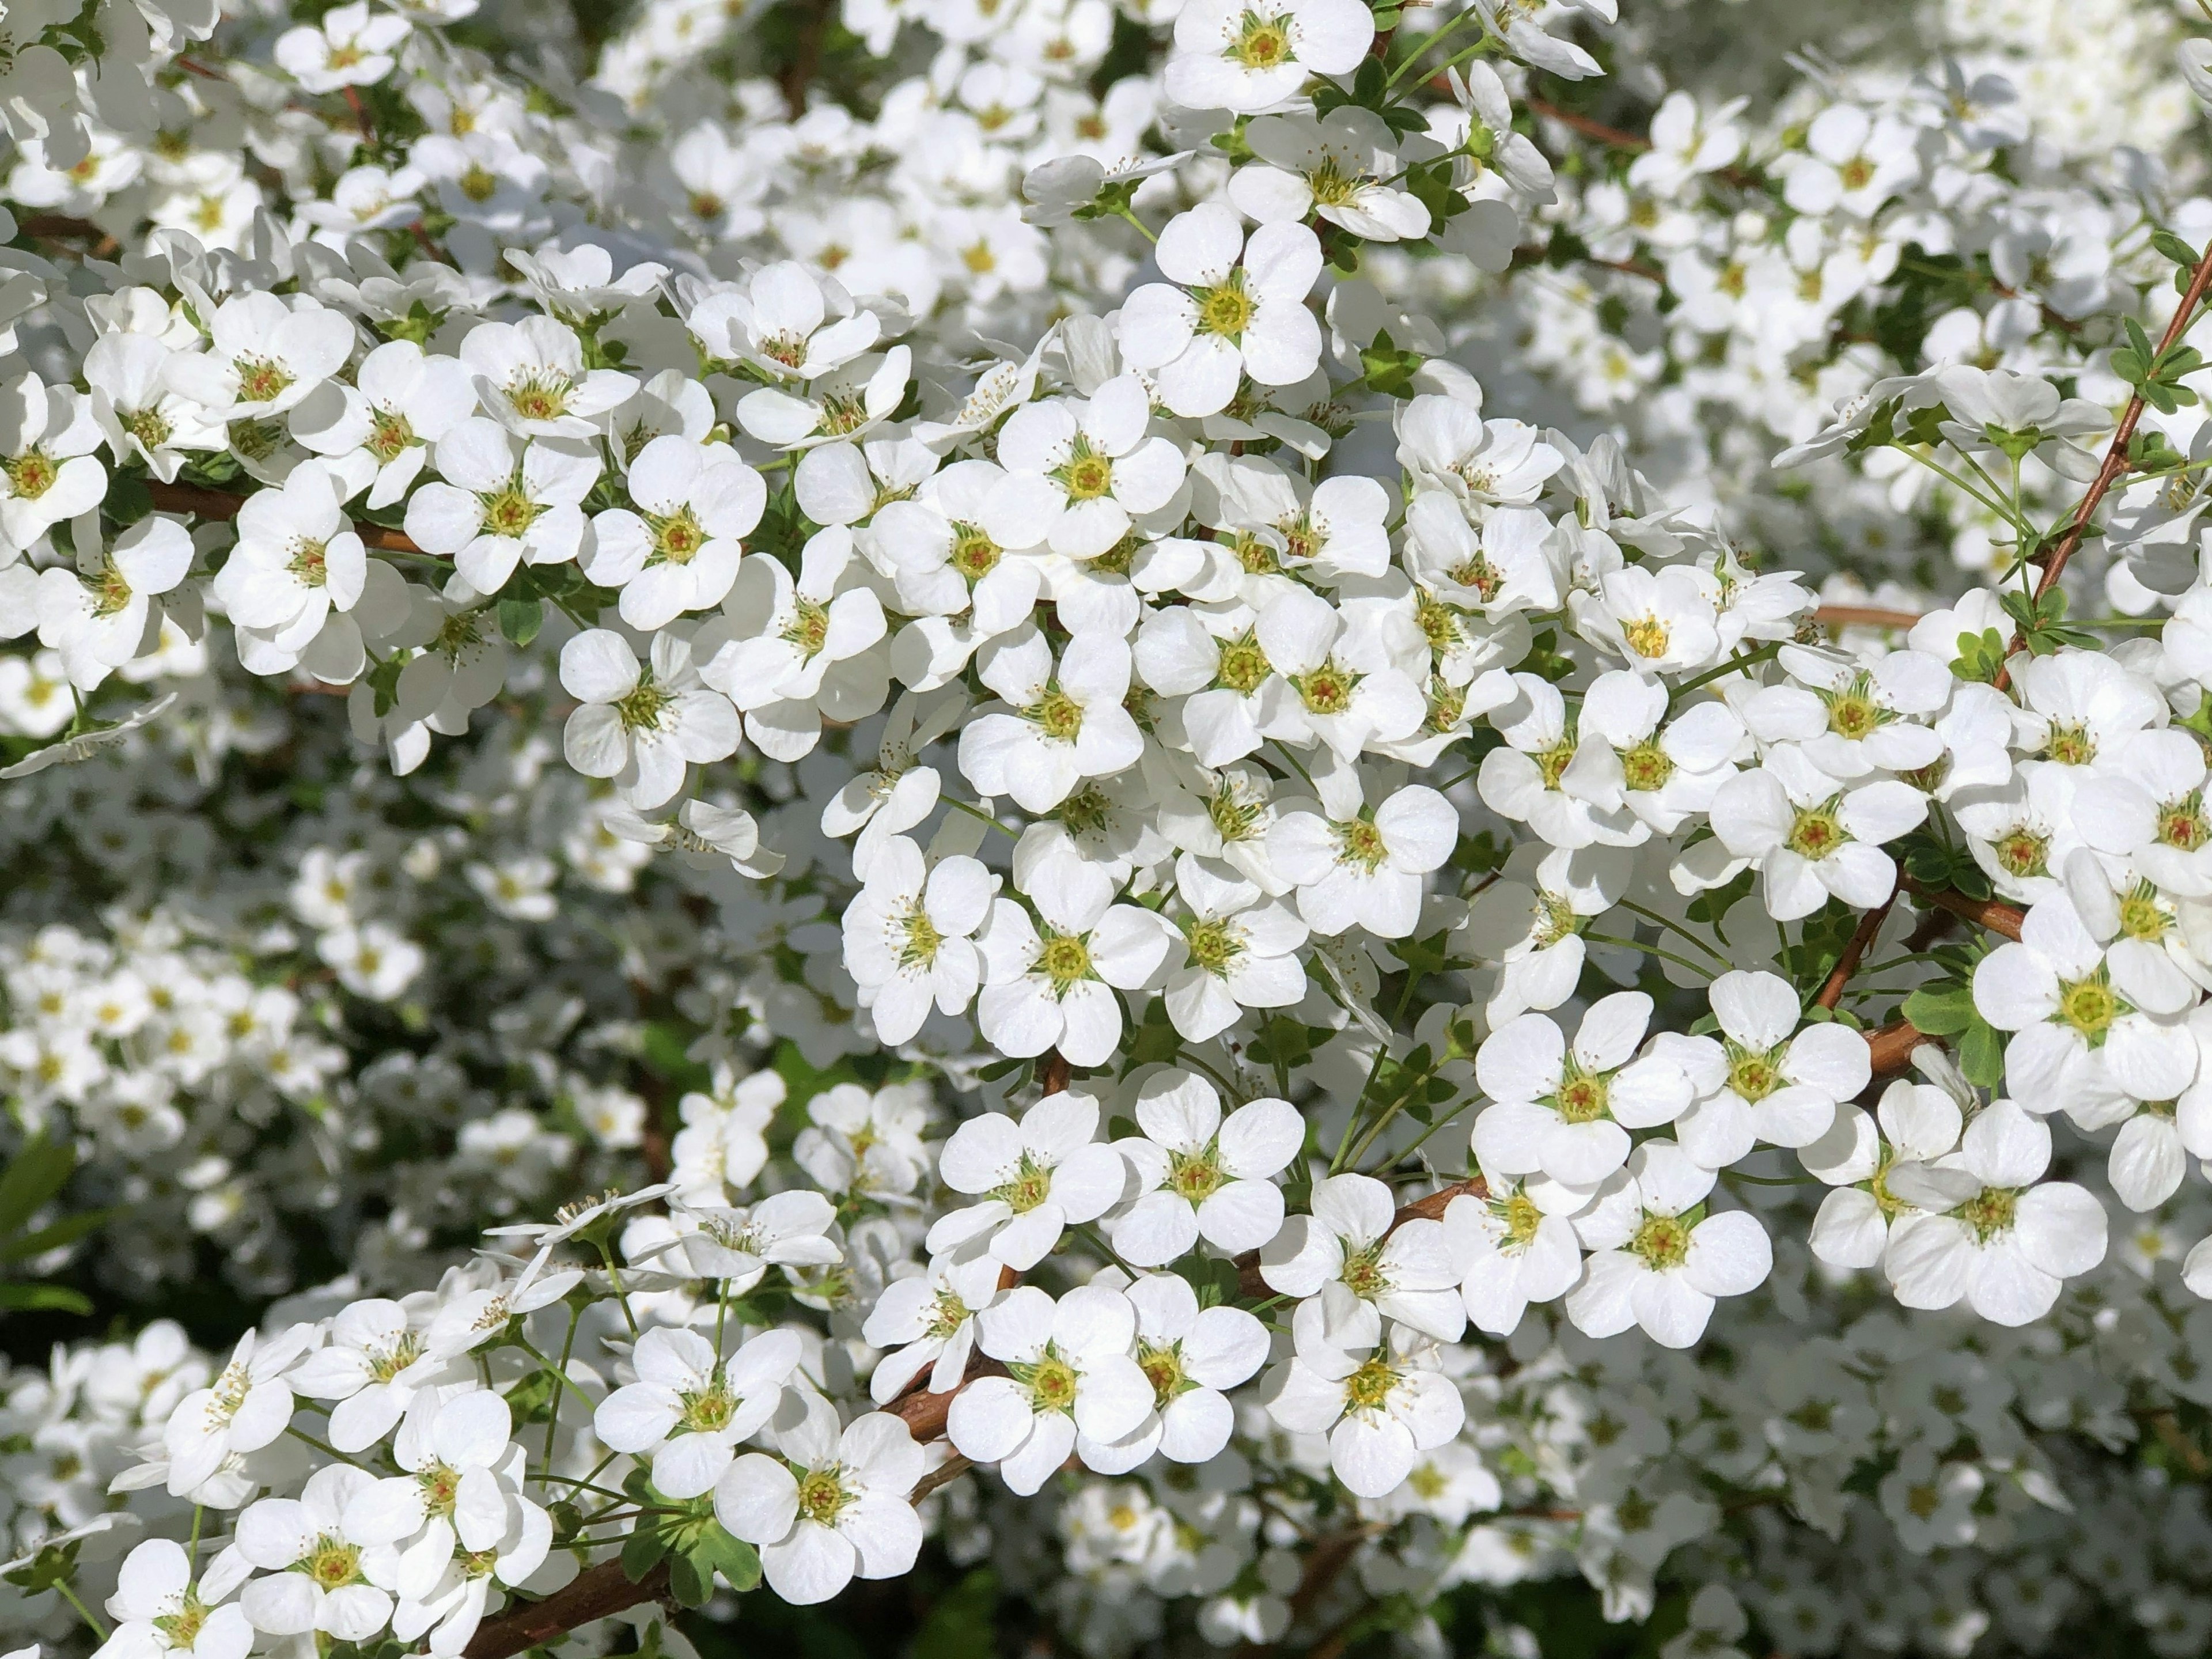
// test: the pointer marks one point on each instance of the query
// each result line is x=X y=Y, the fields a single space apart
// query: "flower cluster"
x=1386 y=816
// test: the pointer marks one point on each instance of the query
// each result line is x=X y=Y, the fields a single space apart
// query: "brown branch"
x=1586 y=127
x=1854 y=951
x=1618 y=138
x=1053 y=1072
x=1863 y=615
x=924 y=1413
x=943 y=1475
x=1431 y=1208
x=596 y=1593
x=221 y=504
x=1993 y=913
x=805 y=57
x=2116 y=453
x=360 y=115
x=1890 y=1049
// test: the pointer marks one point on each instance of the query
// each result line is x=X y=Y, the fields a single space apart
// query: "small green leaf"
x=1981 y=1055
x=642 y=1551
x=520 y=619
x=692 y=1585
x=1940 y=1011
x=531 y=1399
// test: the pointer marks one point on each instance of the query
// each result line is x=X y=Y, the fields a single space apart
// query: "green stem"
x=324 y=1447
x=1129 y=213
x=978 y=813
x=1667 y=923
x=1747 y=660
x=553 y=1416
x=1683 y=963
x=83 y=1612
x=614 y=1278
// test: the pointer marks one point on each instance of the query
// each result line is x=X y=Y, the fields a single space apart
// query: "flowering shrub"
x=1303 y=824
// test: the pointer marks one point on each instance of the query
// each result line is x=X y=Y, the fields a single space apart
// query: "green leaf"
x=520 y=619
x=716 y=1551
x=54 y=1565
x=1370 y=83
x=642 y=1551
x=531 y=1399
x=2171 y=247
x=44 y=1299
x=1940 y=1011
x=692 y=1585
x=67 y=1231
x=35 y=1174
x=1981 y=1055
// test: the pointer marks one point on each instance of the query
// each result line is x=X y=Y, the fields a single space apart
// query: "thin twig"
x=2116 y=453
x=1854 y=952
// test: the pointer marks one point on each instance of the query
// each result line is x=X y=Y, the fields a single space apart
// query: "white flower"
x=1034 y=1178
x=1055 y=988
x=530 y=375
x=98 y=614
x=1811 y=835
x=1071 y=1383
x=1366 y=871
x=783 y=324
x=1662 y=770
x=265 y=357
x=373 y=959
x=350 y=46
x=1881 y=1176
x=1333 y=167
x=1228 y=308
x=1761 y=1082
x=247 y=1405
x=737 y=1246
x=314 y=1578
x=403 y=400
x=1240 y=951
x=1190 y=1355
x=928 y=1319
x=1350 y=692
x=1068 y=722
x=907 y=935
x=844 y=403
x=375 y=1360
x=1230 y=56
x=679 y=550
x=1567 y=1111
x=2008 y=1250
x=462 y=1479
x=160 y=1611
x=298 y=559
x=1509 y=1251
x=1658 y=1260
x=1381 y=1410
x=690 y=1406
x=1445 y=442
x=1079 y=470
x=786 y=653
x=1199 y=1176
x=139 y=413
x=491 y=511
x=641 y=725
x=2081 y=1041
x=838 y=1508
x=47 y=469
x=1858 y=720
x=1361 y=1265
